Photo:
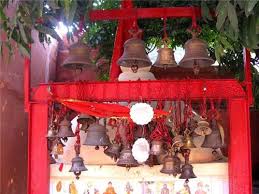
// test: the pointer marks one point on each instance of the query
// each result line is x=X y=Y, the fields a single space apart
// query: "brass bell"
x=134 y=55
x=65 y=129
x=97 y=136
x=157 y=148
x=78 y=57
x=214 y=139
x=168 y=165
x=188 y=142
x=152 y=160
x=77 y=166
x=113 y=151
x=85 y=121
x=126 y=158
x=165 y=57
x=196 y=53
x=187 y=172
x=203 y=128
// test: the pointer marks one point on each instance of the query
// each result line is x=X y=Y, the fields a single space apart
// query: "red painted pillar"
x=248 y=76
x=120 y=37
x=38 y=165
x=240 y=176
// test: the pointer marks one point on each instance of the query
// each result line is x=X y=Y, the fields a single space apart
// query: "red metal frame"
x=238 y=98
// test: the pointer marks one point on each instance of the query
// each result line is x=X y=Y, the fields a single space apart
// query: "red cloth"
x=102 y=109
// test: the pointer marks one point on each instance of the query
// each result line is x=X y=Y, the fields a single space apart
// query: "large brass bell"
x=214 y=139
x=203 y=128
x=97 y=136
x=113 y=151
x=188 y=141
x=196 y=53
x=65 y=129
x=78 y=57
x=77 y=166
x=165 y=57
x=157 y=148
x=168 y=165
x=126 y=158
x=134 y=55
x=85 y=121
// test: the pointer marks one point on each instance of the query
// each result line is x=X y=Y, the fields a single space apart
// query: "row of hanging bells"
x=196 y=54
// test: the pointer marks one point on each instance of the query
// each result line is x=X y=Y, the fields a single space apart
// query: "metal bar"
x=142 y=13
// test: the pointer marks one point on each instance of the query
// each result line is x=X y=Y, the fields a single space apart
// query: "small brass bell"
x=113 y=151
x=134 y=55
x=78 y=57
x=188 y=142
x=126 y=158
x=52 y=133
x=152 y=160
x=196 y=53
x=85 y=121
x=157 y=148
x=214 y=139
x=65 y=129
x=97 y=136
x=168 y=165
x=165 y=57
x=77 y=166
x=187 y=172
x=203 y=128
x=187 y=169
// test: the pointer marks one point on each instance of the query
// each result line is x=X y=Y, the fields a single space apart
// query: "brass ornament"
x=213 y=140
x=196 y=54
x=78 y=57
x=65 y=129
x=188 y=141
x=134 y=54
x=126 y=158
x=168 y=165
x=203 y=127
x=157 y=148
x=165 y=57
x=97 y=136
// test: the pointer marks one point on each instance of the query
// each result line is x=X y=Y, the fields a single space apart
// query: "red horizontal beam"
x=142 y=90
x=117 y=14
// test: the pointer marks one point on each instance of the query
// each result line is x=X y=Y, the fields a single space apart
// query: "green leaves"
x=222 y=12
x=249 y=6
x=232 y=16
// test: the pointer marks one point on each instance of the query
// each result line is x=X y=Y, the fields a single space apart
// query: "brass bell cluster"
x=196 y=54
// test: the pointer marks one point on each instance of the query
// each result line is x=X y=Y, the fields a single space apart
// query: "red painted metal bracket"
x=142 y=90
x=142 y=13
x=248 y=76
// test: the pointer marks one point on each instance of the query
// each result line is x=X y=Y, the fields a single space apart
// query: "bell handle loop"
x=187 y=132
